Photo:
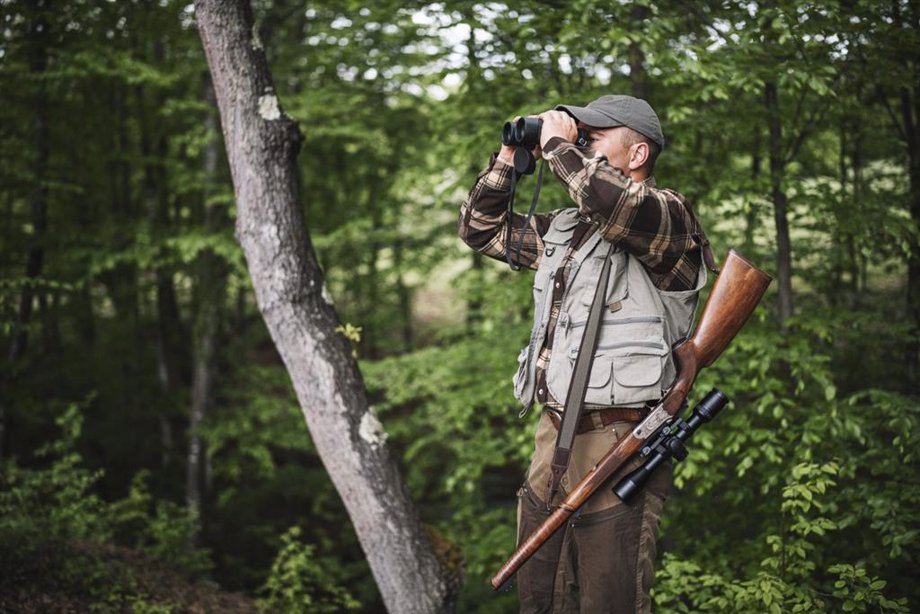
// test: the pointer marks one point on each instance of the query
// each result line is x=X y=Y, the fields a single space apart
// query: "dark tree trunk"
x=168 y=324
x=35 y=257
x=750 y=218
x=911 y=112
x=638 y=78
x=780 y=203
x=908 y=20
x=403 y=295
x=210 y=288
x=262 y=145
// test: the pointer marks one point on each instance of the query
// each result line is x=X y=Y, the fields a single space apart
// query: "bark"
x=907 y=18
x=121 y=280
x=750 y=218
x=403 y=295
x=780 y=203
x=262 y=145
x=168 y=323
x=210 y=288
x=911 y=113
x=35 y=258
x=638 y=78
x=474 y=302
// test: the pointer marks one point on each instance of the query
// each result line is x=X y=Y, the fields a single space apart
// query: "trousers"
x=602 y=561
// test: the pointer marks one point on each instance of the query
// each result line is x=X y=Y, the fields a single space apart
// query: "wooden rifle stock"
x=736 y=292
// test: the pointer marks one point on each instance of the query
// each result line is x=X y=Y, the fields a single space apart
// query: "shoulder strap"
x=575 y=399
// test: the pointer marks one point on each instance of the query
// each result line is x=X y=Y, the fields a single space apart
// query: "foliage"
x=56 y=502
x=117 y=239
x=788 y=579
x=299 y=582
x=159 y=528
x=50 y=517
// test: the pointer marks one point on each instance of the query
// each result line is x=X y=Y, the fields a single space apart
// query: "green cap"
x=618 y=110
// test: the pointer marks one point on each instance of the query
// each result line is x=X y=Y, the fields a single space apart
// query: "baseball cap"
x=619 y=110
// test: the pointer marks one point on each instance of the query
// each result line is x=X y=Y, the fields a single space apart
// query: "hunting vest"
x=640 y=323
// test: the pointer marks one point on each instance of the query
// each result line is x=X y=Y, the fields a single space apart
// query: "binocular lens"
x=524 y=132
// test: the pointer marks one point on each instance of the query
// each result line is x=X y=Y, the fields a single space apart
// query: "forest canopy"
x=153 y=453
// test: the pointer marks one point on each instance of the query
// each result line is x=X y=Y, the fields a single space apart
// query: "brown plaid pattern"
x=656 y=226
x=482 y=219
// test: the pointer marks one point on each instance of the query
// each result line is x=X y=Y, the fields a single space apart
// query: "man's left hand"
x=557 y=123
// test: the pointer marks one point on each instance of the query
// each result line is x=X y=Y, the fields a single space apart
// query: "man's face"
x=609 y=141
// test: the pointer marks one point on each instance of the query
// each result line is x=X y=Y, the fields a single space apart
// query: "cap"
x=618 y=110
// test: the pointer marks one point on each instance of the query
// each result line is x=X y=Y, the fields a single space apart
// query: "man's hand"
x=557 y=123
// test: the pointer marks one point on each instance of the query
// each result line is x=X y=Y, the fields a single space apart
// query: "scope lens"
x=712 y=404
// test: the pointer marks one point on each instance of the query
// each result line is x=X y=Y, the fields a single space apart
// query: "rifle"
x=735 y=294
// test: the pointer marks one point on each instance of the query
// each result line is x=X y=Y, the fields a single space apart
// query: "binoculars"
x=525 y=132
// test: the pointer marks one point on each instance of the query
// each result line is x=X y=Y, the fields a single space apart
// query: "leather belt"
x=599 y=418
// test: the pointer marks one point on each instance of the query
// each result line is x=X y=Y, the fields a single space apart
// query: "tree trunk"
x=780 y=204
x=262 y=145
x=38 y=62
x=156 y=203
x=638 y=78
x=750 y=217
x=210 y=290
x=403 y=295
x=910 y=107
x=35 y=258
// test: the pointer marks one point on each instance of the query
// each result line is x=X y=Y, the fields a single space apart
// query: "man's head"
x=625 y=129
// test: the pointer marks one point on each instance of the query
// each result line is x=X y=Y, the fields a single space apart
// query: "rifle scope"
x=669 y=441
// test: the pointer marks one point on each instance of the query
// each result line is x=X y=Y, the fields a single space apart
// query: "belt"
x=599 y=418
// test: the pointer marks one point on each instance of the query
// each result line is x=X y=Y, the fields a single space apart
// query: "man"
x=603 y=561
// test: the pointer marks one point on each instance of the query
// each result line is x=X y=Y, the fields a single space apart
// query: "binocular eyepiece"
x=525 y=132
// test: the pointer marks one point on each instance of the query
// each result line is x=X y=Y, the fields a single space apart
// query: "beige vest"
x=641 y=323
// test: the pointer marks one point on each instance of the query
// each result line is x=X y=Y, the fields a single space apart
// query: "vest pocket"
x=624 y=379
x=628 y=366
x=637 y=377
x=599 y=390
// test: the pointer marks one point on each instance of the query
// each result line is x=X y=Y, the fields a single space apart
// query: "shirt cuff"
x=498 y=176
x=554 y=147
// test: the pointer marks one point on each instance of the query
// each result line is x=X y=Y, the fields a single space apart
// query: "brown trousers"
x=602 y=560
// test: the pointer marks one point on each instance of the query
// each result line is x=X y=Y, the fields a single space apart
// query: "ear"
x=638 y=154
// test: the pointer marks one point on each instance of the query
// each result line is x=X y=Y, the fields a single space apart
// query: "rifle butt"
x=736 y=292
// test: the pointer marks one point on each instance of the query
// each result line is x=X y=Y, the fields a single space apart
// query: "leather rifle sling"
x=578 y=386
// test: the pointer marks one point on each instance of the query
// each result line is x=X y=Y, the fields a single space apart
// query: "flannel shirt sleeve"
x=483 y=214
x=656 y=226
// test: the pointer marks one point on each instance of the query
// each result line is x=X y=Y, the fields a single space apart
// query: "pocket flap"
x=637 y=370
x=601 y=369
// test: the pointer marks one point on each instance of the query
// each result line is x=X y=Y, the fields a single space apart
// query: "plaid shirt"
x=655 y=226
